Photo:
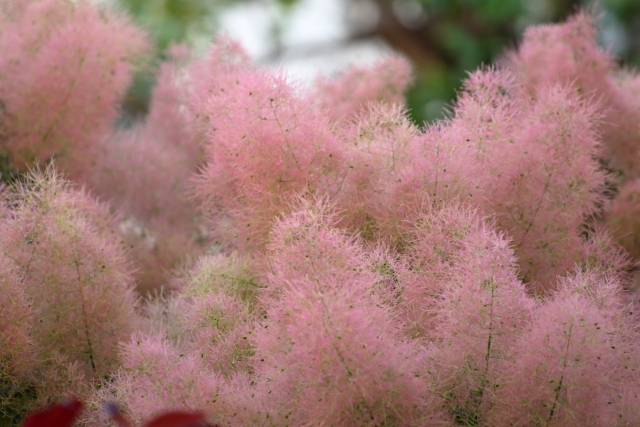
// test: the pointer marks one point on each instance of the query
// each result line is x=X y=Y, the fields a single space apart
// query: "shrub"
x=73 y=270
x=576 y=365
x=328 y=352
x=346 y=267
x=63 y=71
x=357 y=88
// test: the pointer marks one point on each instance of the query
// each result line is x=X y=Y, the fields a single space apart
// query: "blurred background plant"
x=444 y=39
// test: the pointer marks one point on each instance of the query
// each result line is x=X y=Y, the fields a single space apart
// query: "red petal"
x=60 y=415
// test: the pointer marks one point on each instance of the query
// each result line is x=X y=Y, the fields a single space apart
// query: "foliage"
x=346 y=267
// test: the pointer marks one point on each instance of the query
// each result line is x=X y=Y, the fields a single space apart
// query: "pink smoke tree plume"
x=64 y=69
x=64 y=265
x=144 y=171
x=360 y=87
x=257 y=252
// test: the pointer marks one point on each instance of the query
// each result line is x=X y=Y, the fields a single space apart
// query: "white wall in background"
x=307 y=39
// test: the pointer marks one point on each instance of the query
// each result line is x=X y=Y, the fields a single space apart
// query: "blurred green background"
x=444 y=39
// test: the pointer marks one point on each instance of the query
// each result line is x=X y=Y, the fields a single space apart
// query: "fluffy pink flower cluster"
x=67 y=291
x=361 y=270
x=63 y=69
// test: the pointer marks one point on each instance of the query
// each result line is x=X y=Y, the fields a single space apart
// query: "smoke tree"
x=273 y=254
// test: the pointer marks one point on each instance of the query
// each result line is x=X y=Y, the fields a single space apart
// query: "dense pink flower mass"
x=63 y=70
x=144 y=171
x=576 y=365
x=329 y=348
x=72 y=269
x=67 y=290
x=359 y=87
x=308 y=256
x=623 y=216
x=569 y=54
x=17 y=352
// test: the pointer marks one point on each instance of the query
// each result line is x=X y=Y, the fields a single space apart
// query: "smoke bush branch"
x=85 y=317
x=564 y=367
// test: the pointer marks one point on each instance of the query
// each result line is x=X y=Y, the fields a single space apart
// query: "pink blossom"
x=73 y=270
x=65 y=68
x=353 y=92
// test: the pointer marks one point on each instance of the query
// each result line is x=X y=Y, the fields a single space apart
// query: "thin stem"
x=26 y=269
x=535 y=212
x=340 y=355
x=85 y=320
x=286 y=139
x=564 y=366
x=72 y=86
x=437 y=165
x=486 y=369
